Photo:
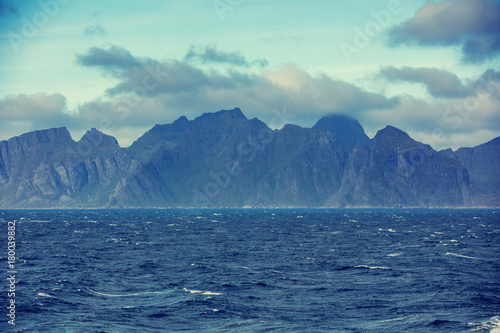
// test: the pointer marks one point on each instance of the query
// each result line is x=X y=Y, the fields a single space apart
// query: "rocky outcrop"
x=48 y=169
x=483 y=163
x=401 y=172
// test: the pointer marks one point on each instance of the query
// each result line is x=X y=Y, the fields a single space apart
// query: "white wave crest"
x=370 y=267
x=493 y=325
x=461 y=256
x=201 y=292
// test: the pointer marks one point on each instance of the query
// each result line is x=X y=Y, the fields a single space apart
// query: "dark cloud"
x=151 y=92
x=210 y=55
x=469 y=118
x=180 y=86
x=144 y=75
x=115 y=60
x=482 y=48
x=488 y=84
x=474 y=25
x=440 y=83
x=7 y=8
x=491 y=76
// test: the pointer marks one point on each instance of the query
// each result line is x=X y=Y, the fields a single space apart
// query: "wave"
x=493 y=325
x=461 y=256
x=126 y=295
x=370 y=267
x=202 y=292
x=390 y=230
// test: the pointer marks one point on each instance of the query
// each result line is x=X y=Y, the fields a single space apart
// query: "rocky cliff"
x=223 y=159
x=401 y=172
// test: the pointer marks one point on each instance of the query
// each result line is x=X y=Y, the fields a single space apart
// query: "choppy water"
x=255 y=270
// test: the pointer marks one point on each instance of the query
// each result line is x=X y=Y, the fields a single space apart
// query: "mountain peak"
x=222 y=114
x=235 y=113
x=99 y=139
x=347 y=130
x=181 y=121
x=393 y=137
x=393 y=133
x=57 y=136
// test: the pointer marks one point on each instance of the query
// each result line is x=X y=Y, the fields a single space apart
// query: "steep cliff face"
x=197 y=164
x=305 y=169
x=20 y=155
x=223 y=159
x=166 y=136
x=483 y=163
x=401 y=172
x=49 y=169
x=26 y=165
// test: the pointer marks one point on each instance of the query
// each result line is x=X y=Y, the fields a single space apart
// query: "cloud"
x=178 y=87
x=211 y=55
x=465 y=120
x=471 y=24
x=149 y=91
x=7 y=8
x=440 y=83
x=23 y=113
x=443 y=84
x=441 y=124
x=94 y=30
x=115 y=61
x=31 y=106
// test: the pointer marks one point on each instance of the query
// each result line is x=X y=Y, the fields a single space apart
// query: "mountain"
x=223 y=159
x=483 y=163
x=401 y=172
x=48 y=169
x=346 y=130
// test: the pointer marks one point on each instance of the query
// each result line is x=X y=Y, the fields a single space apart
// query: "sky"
x=430 y=68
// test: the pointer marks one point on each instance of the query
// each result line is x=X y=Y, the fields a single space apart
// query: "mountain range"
x=223 y=159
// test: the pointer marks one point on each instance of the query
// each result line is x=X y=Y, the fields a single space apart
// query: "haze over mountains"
x=223 y=159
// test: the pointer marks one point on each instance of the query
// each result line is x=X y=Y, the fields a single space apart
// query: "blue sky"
x=430 y=68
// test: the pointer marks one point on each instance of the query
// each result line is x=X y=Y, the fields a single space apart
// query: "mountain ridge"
x=223 y=159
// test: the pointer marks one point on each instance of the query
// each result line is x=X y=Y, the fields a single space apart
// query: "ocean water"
x=242 y=270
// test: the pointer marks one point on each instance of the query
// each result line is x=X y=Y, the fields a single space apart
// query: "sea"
x=251 y=270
